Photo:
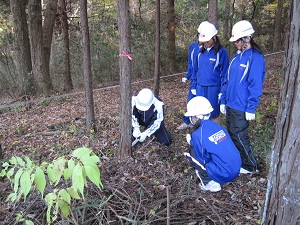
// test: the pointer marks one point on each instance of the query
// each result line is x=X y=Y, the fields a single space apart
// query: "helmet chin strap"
x=194 y=119
x=244 y=39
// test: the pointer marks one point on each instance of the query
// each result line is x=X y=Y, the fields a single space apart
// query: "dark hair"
x=255 y=46
x=217 y=45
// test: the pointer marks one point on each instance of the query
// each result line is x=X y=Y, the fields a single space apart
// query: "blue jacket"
x=244 y=81
x=210 y=68
x=215 y=151
x=194 y=47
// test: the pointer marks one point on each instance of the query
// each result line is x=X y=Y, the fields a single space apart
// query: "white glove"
x=188 y=138
x=193 y=91
x=143 y=136
x=250 y=116
x=223 y=109
x=136 y=132
x=184 y=80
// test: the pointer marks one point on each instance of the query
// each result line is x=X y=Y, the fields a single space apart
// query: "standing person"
x=212 y=153
x=148 y=111
x=241 y=93
x=210 y=68
x=193 y=50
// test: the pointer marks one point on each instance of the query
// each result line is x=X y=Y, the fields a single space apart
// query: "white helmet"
x=144 y=99
x=241 y=29
x=201 y=25
x=198 y=106
x=207 y=31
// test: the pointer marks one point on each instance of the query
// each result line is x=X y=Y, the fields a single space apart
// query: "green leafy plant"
x=26 y=176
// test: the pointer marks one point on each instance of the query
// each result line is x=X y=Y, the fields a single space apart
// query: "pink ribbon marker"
x=126 y=55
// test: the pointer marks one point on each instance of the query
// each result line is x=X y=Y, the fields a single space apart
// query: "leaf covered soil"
x=156 y=181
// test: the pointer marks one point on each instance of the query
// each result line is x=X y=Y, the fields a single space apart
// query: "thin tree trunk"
x=171 y=36
x=89 y=101
x=49 y=21
x=282 y=204
x=213 y=12
x=277 y=38
x=68 y=84
x=37 y=47
x=157 y=50
x=22 y=46
x=125 y=79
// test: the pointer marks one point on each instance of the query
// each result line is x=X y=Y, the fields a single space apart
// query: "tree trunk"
x=282 y=205
x=157 y=50
x=37 y=47
x=49 y=21
x=213 y=12
x=171 y=36
x=22 y=46
x=125 y=79
x=68 y=84
x=277 y=38
x=89 y=101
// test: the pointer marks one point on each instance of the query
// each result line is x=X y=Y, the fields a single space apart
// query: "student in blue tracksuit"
x=212 y=153
x=241 y=93
x=193 y=50
x=148 y=111
x=210 y=67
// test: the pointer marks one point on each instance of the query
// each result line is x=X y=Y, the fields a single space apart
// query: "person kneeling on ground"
x=212 y=153
x=148 y=111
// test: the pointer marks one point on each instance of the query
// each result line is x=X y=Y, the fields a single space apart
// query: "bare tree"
x=68 y=84
x=22 y=46
x=282 y=205
x=89 y=100
x=171 y=36
x=49 y=21
x=37 y=47
x=213 y=12
x=125 y=78
x=277 y=37
x=157 y=50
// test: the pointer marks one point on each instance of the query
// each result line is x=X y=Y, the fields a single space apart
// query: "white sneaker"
x=184 y=126
x=243 y=171
x=211 y=186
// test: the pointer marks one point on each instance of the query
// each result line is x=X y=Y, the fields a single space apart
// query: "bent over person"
x=148 y=111
x=212 y=153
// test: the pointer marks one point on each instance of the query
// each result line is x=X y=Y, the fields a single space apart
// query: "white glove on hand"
x=136 y=132
x=184 y=80
x=193 y=91
x=188 y=138
x=143 y=136
x=223 y=109
x=250 y=116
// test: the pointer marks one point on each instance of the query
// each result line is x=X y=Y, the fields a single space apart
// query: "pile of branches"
x=154 y=186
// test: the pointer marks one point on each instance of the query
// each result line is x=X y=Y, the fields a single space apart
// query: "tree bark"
x=21 y=45
x=37 y=47
x=89 y=100
x=125 y=79
x=157 y=50
x=68 y=84
x=49 y=22
x=282 y=205
x=213 y=12
x=171 y=36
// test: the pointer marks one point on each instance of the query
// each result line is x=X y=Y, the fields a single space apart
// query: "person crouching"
x=212 y=153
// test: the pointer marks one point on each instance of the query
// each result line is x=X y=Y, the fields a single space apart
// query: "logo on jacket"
x=242 y=66
x=212 y=60
x=217 y=137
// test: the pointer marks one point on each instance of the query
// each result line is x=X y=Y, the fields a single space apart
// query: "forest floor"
x=156 y=181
